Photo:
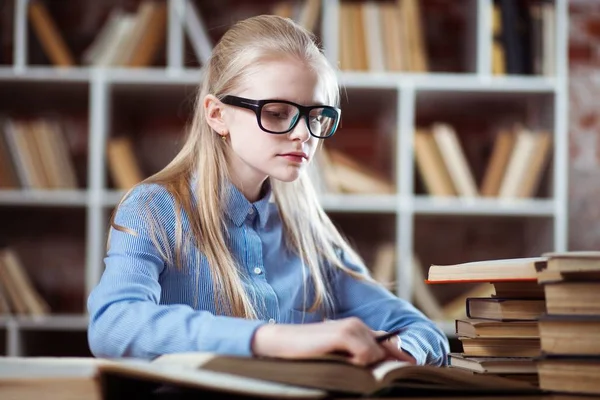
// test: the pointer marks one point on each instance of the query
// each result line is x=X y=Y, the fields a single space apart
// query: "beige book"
x=391 y=33
x=431 y=166
x=309 y=14
x=505 y=309
x=358 y=38
x=498 y=54
x=373 y=39
x=354 y=177
x=345 y=42
x=455 y=159
x=573 y=261
x=335 y=373
x=574 y=335
x=524 y=150
x=283 y=9
x=122 y=163
x=537 y=165
x=48 y=35
x=473 y=328
x=415 y=37
x=570 y=375
x=500 y=347
x=502 y=150
x=510 y=269
x=61 y=156
x=47 y=160
x=152 y=39
x=494 y=365
x=573 y=298
x=4 y=302
x=37 y=152
x=32 y=300
x=13 y=294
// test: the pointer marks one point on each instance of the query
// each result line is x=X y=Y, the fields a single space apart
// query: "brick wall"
x=584 y=124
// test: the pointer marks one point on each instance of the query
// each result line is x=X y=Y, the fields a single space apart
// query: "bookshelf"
x=404 y=100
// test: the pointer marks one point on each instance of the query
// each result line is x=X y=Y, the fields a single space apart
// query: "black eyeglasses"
x=281 y=116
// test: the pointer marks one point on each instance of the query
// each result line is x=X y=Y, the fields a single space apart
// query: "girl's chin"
x=287 y=176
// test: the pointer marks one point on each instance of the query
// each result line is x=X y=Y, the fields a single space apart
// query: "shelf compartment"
x=50 y=244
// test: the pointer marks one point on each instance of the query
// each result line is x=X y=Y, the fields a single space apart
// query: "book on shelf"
x=496 y=168
x=430 y=165
x=342 y=174
x=515 y=168
x=382 y=36
x=454 y=159
x=18 y=294
x=48 y=34
x=523 y=36
x=37 y=154
x=130 y=39
x=122 y=163
x=524 y=168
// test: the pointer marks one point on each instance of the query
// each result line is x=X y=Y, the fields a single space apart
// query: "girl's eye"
x=276 y=114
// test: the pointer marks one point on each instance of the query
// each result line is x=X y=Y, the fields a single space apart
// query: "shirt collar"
x=237 y=207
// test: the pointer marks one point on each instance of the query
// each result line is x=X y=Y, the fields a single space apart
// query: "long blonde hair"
x=308 y=231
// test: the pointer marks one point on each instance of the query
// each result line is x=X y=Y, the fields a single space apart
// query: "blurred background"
x=469 y=132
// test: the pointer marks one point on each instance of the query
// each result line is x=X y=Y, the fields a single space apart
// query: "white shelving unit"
x=97 y=199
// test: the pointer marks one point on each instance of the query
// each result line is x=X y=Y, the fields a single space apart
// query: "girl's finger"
x=394 y=350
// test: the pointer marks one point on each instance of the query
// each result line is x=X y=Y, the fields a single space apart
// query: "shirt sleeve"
x=126 y=317
x=381 y=310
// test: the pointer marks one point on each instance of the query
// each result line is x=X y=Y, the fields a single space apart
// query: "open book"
x=335 y=374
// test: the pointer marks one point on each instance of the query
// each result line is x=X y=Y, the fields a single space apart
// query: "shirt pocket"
x=304 y=317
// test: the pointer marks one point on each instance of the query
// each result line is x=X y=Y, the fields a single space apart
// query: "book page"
x=383 y=369
x=191 y=359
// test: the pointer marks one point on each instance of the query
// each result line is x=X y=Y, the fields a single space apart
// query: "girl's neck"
x=252 y=192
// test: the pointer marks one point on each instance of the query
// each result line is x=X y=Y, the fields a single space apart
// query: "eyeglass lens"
x=280 y=117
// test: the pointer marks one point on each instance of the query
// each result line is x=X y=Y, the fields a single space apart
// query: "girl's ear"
x=214 y=113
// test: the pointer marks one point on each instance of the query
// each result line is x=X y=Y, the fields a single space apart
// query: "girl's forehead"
x=285 y=80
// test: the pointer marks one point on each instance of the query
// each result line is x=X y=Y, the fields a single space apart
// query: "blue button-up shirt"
x=144 y=307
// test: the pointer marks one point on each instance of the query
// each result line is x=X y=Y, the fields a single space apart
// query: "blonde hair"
x=308 y=231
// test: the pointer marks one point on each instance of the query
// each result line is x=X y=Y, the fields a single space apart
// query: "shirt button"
x=251 y=211
x=257 y=271
x=271 y=321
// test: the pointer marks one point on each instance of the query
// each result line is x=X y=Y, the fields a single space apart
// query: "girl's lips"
x=293 y=157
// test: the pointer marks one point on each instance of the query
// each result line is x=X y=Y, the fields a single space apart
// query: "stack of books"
x=500 y=333
x=570 y=331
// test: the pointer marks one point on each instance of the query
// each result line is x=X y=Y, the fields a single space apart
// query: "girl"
x=227 y=249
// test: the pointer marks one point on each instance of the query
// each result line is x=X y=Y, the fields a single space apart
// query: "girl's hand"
x=348 y=335
x=393 y=349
